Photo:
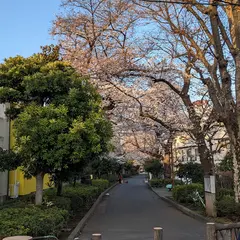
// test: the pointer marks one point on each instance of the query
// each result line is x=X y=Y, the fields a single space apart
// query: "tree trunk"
x=167 y=159
x=232 y=129
x=235 y=174
x=59 y=187
x=205 y=155
x=208 y=167
x=235 y=148
x=39 y=189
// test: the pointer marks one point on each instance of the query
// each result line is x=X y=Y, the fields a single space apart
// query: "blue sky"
x=25 y=25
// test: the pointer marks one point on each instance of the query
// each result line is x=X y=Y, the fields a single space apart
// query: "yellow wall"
x=26 y=186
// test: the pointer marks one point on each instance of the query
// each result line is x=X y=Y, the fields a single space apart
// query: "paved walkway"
x=132 y=210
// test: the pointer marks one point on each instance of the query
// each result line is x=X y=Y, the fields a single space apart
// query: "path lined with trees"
x=133 y=210
x=135 y=75
x=156 y=58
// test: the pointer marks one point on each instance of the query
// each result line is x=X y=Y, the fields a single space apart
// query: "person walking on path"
x=120 y=178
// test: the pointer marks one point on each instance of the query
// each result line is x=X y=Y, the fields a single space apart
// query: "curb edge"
x=181 y=208
x=87 y=216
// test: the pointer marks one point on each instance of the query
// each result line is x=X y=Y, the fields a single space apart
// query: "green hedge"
x=81 y=196
x=112 y=178
x=222 y=192
x=227 y=207
x=78 y=197
x=50 y=198
x=185 y=193
x=159 y=183
x=13 y=203
x=57 y=201
x=101 y=184
x=32 y=221
x=19 y=217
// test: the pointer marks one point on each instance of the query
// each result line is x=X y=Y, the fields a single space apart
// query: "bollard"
x=96 y=236
x=211 y=229
x=158 y=233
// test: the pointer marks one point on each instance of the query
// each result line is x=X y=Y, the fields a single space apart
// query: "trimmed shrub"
x=160 y=183
x=18 y=217
x=13 y=203
x=29 y=198
x=226 y=207
x=222 y=192
x=60 y=202
x=157 y=183
x=112 y=178
x=77 y=197
x=50 y=198
x=32 y=221
x=167 y=181
x=50 y=192
x=185 y=193
x=81 y=196
x=101 y=184
x=178 y=182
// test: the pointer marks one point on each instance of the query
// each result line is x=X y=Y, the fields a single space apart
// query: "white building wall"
x=185 y=149
x=4 y=143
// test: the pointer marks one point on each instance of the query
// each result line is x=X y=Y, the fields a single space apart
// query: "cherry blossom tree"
x=153 y=56
x=207 y=36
